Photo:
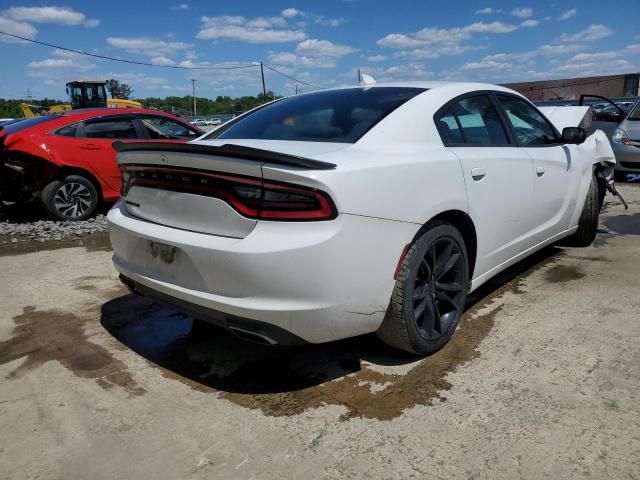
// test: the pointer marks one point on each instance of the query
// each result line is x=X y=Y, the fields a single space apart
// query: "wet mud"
x=616 y=225
x=42 y=336
x=563 y=273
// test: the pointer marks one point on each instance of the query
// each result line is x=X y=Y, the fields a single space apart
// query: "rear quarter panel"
x=408 y=183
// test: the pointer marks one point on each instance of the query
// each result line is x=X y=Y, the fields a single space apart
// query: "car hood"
x=563 y=117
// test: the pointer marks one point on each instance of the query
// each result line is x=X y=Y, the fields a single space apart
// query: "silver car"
x=626 y=144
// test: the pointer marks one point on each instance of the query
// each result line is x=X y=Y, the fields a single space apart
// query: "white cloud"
x=485 y=65
x=522 y=12
x=14 y=27
x=488 y=11
x=162 y=61
x=180 y=6
x=568 y=14
x=530 y=23
x=60 y=67
x=290 y=12
x=594 y=32
x=151 y=47
x=377 y=58
x=494 y=27
x=433 y=42
x=312 y=53
x=411 y=71
x=257 y=30
x=59 y=15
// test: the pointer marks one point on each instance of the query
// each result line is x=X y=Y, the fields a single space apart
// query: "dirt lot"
x=542 y=379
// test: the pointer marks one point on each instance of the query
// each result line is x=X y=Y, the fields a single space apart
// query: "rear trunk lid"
x=192 y=186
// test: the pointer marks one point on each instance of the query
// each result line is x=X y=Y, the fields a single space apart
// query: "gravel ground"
x=46 y=230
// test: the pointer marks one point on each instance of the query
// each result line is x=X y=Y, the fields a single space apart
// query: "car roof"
x=443 y=87
x=91 y=112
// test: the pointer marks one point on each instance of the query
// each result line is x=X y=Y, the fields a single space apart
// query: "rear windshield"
x=331 y=116
x=13 y=127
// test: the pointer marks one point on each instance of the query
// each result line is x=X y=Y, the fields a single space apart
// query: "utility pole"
x=264 y=87
x=195 y=107
x=296 y=88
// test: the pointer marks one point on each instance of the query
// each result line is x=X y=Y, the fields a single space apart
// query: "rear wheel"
x=430 y=292
x=73 y=198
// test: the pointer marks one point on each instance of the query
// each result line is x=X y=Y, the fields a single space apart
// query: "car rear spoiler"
x=226 y=150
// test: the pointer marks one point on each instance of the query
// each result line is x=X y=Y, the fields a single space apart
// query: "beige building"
x=572 y=88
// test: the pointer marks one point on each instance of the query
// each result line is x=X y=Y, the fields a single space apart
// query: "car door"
x=556 y=179
x=498 y=177
x=95 y=138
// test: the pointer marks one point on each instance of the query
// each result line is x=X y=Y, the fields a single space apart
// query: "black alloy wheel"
x=430 y=292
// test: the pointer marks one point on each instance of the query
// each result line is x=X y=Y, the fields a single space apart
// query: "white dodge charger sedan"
x=354 y=210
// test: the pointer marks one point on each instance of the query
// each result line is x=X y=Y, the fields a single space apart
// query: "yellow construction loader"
x=82 y=94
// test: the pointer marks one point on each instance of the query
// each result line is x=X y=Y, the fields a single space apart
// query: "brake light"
x=251 y=197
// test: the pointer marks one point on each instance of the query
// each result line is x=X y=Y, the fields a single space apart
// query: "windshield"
x=635 y=113
x=330 y=116
x=21 y=124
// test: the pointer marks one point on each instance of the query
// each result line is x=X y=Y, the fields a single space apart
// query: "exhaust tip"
x=252 y=336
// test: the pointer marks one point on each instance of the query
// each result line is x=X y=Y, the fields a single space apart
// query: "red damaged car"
x=67 y=160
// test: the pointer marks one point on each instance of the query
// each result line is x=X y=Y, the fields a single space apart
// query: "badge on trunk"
x=167 y=253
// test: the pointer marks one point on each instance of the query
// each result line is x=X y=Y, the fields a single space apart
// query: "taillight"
x=251 y=197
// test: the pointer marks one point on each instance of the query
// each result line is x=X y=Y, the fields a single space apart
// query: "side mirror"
x=574 y=135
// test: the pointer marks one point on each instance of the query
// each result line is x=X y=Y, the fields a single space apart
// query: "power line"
x=133 y=62
x=291 y=78
x=147 y=64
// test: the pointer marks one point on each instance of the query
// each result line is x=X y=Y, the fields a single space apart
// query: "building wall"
x=572 y=88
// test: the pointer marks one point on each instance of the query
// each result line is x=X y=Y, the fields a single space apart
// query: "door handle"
x=478 y=173
x=90 y=146
x=539 y=171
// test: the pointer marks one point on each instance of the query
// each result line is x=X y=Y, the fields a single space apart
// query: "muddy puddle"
x=42 y=336
x=361 y=374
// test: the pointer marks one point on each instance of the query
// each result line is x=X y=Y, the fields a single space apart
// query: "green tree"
x=119 y=90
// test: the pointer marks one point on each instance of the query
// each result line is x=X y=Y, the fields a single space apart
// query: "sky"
x=318 y=44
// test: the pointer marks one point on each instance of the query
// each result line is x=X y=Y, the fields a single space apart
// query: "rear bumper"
x=317 y=281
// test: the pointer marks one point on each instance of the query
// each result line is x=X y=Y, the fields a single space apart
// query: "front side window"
x=329 y=116
x=472 y=121
x=530 y=127
x=165 y=128
x=113 y=128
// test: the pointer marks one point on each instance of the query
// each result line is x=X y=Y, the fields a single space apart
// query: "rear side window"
x=110 y=128
x=68 y=131
x=471 y=121
x=449 y=128
x=330 y=116
x=529 y=126
x=165 y=128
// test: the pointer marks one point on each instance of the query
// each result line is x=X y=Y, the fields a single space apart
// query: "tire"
x=404 y=327
x=588 y=223
x=72 y=199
